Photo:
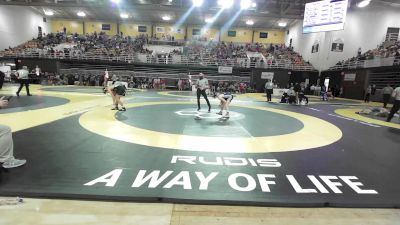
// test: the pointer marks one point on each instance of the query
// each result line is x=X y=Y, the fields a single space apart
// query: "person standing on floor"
x=2 y=76
x=367 y=94
x=23 y=78
x=6 y=144
x=386 y=92
x=269 y=88
x=396 y=105
x=202 y=85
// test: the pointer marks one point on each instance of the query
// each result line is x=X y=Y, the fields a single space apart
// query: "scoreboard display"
x=325 y=15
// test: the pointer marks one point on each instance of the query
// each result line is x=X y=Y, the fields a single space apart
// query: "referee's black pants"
x=202 y=92
x=395 y=108
x=22 y=83
x=1 y=81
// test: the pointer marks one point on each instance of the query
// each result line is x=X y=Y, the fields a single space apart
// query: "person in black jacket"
x=2 y=76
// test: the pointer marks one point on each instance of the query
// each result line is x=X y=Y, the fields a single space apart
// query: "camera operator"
x=6 y=144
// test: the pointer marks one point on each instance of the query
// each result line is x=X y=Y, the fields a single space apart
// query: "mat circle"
x=103 y=122
x=178 y=118
x=25 y=103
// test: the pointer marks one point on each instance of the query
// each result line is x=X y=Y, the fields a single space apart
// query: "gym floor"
x=266 y=154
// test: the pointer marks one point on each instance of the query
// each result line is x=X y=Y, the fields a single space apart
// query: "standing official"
x=387 y=91
x=23 y=78
x=202 y=85
x=269 y=87
x=396 y=105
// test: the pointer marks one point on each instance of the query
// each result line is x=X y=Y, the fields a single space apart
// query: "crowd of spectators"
x=381 y=51
x=212 y=53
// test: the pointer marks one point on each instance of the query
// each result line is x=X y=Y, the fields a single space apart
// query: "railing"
x=176 y=76
x=165 y=42
x=377 y=62
x=174 y=60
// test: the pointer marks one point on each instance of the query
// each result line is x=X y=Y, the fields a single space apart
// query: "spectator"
x=6 y=144
x=367 y=94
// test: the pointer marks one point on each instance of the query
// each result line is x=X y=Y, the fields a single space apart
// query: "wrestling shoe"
x=13 y=163
x=219 y=113
x=122 y=109
x=209 y=110
x=17 y=94
x=115 y=108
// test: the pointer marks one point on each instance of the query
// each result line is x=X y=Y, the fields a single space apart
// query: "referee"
x=202 y=85
x=23 y=77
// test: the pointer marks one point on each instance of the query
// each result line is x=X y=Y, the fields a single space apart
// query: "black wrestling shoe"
x=209 y=110
x=17 y=94
x=115 y=108
x=123 y=109
x=198 y=109
x=29 y=95
x=219 y=113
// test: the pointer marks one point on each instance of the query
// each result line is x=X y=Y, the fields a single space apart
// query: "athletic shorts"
x=120 y=90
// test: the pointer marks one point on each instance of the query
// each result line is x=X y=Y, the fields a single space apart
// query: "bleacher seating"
x=127 y=49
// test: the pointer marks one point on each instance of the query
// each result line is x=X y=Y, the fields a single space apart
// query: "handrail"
x=377 y=62
x=190 y=60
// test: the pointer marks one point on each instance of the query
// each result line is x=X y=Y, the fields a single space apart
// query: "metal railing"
x=191 y=60
x=377 y=62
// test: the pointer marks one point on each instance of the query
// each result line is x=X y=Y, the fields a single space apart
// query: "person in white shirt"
x=396 y=105
x=292 y=95
x=269 y=87
x=225 y=99
x=386 y=92
x=368 y=92
x=202 y=85
x=6 y=144
x=23 y=79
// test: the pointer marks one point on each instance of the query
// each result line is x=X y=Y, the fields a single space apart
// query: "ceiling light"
x=253 y=4
x=197 y=3
x=48 y=13
x=166 y=18
x=250 y=22
x=124 y=16
x=169 y=0
x=363 y=3
x=282 y=24
x=115 y=1
x=226 y=4
x=81 y=14
x=245 y=4
x=209 y=20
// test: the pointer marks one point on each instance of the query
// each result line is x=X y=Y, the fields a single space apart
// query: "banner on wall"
x=337 y=45
x=142 y=29
x=105 y=26
x=160 y=29
x=225 y=69
x=267 y=75
x=179 y=31
x=349 y=77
